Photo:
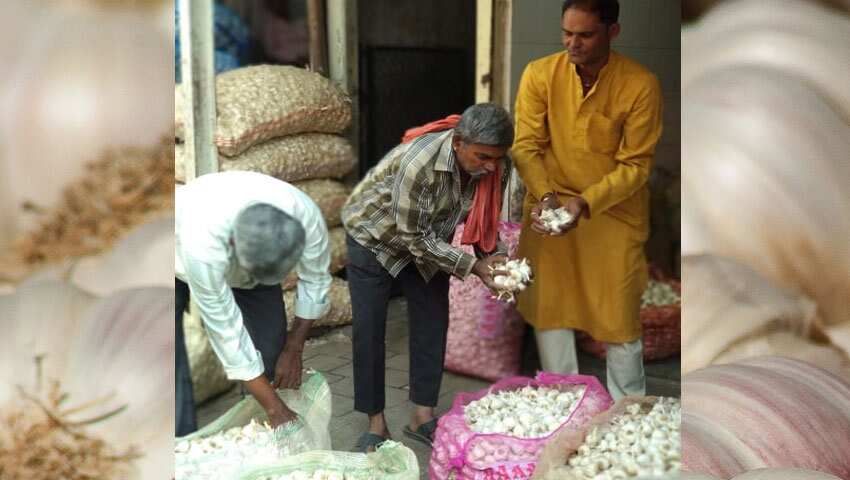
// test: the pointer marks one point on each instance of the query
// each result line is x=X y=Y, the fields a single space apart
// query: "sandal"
x=425 y=432
x=369 y=440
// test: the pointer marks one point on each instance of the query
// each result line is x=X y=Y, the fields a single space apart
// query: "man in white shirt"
x=237 y=235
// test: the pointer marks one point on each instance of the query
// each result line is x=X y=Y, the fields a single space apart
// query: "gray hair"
x=268 y=242
x=486 y=124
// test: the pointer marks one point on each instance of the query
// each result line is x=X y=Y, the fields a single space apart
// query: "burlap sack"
x=551 y=464
x=339 y=313
x=260 y=102
x=291 y=158
x=208 y=377
x=339 y=256
x=329 y=195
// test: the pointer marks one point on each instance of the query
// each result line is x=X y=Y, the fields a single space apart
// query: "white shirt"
x=205 y=211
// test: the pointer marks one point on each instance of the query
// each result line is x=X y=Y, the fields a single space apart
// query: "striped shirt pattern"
x=407 y=208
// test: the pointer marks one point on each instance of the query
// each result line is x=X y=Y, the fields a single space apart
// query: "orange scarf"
x=482 y=224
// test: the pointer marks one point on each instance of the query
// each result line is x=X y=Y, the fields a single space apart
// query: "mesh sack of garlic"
x=485 y=334
x=239 y=439
x=391 y=461
x=500 y=431
x=639 y=437
x=660 y=319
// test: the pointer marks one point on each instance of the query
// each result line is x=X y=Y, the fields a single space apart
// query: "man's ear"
x=613 y=31
x=456 y=141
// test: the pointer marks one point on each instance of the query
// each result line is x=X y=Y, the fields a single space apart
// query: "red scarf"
x=482 y=224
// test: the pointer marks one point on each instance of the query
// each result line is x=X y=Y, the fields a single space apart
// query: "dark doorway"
x=417 y=64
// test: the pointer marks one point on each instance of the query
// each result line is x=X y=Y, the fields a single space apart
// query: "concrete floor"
x=333 y=359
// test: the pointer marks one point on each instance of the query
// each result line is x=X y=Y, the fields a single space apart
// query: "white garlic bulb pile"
x=222 y=454
x=659 y=293
x=636 y=443
x=315 y=475
x=517 y=279
x=529 y=412
x=555 y=219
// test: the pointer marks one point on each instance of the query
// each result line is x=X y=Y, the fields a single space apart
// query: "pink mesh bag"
x=461 y=453
x=485 y=334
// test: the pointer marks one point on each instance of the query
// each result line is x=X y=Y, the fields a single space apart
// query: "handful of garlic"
x=529 y=412
x=222 y=454
x=642 y=441
x=659 y=293
x=517 y=279
x=555 y=219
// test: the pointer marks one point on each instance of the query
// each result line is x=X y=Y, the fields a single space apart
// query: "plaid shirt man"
x=408 y=206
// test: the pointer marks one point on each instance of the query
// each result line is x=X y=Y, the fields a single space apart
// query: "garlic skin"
x=556 y=219
x=528 y=412
x=517 y=279
x=765 y=141
x=121 y=346
x=765 y=412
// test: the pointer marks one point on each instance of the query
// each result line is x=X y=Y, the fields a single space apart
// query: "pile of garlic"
x=316 y=475
x=219 y=455
x=529 y=412
x=517 y=279
x=555 y=219
x=636 y=443
x=659 y=293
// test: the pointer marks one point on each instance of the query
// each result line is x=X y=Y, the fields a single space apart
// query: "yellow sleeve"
x=641 y=131
x=532 y=133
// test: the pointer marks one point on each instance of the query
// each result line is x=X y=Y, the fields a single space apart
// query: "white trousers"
x=624 y=364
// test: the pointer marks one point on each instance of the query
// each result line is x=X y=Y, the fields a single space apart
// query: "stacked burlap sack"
x=284 y=122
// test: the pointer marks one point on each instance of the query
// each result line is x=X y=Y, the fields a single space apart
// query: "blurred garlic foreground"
x=114 y=355
x=765 y=138
x=765 y=412
x=764 y=474
x=731 y=312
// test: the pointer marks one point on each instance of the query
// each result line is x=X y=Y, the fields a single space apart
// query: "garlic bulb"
x=517 y=279
x=765 y=412
x=643 y=441
x=765 y=139
x=555 y=219
x=114 y=354
x=659 y=293
x=731 y=312
x=528 y=412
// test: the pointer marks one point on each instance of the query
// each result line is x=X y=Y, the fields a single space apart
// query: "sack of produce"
x=240 y=439
x=260 y=102
x=499 y=432
x=339 y=258
x=637 y=437
x=391 y=461
x=338 y=314
x=660 y=318
x=485 y=334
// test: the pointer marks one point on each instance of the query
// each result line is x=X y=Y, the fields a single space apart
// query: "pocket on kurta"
x=603 y=134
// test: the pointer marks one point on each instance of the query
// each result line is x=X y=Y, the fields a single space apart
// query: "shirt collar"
x=446 y=157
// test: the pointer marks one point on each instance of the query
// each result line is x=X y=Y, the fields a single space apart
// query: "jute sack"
x=261 y=102
x=339 y=256
x=290 y=158
x=329 y=195
x=338 y=314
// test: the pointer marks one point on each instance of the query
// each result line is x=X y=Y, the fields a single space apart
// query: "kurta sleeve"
x=641 y=131
x=532 y=133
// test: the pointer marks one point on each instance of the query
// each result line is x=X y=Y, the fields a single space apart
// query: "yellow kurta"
x=599 y=147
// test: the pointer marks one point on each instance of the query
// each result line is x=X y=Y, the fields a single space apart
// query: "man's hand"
x=287 y=371
x=576 y=206
x=277 y=411
x=549 y=200
x=485 y=270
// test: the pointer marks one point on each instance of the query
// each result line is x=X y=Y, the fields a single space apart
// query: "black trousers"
x=428 y=312
x=264 y=317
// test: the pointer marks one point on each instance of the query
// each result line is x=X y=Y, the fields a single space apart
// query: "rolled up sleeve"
x=314 y=278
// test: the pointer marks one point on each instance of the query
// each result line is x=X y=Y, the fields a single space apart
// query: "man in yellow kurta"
x=587 y=121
